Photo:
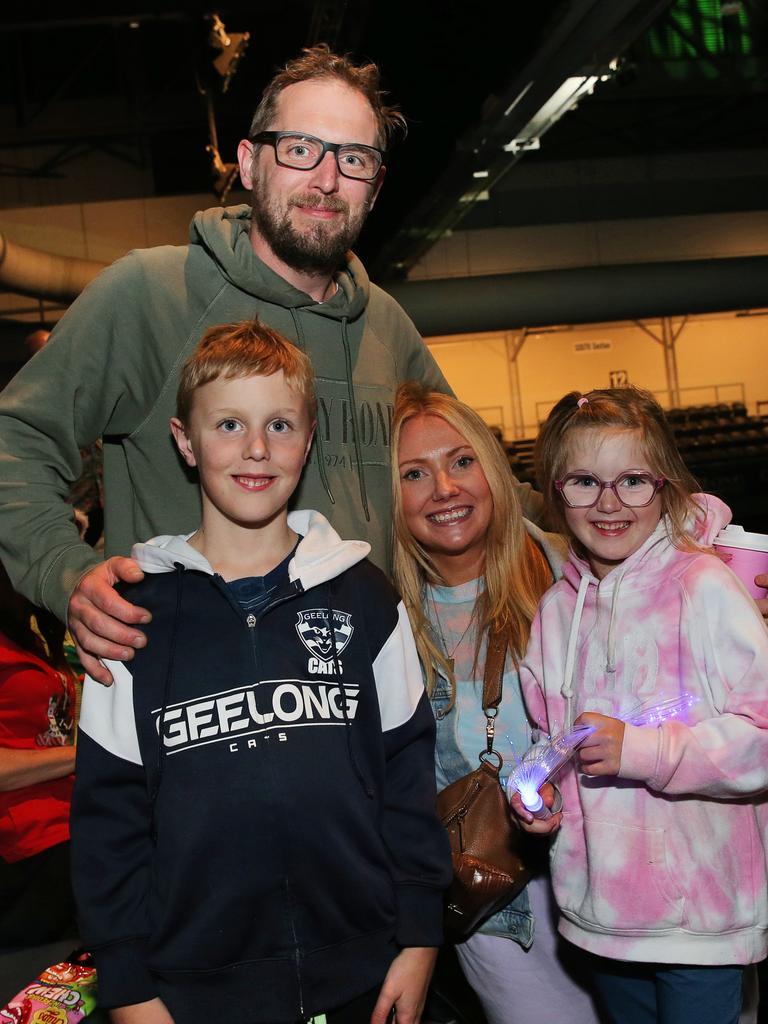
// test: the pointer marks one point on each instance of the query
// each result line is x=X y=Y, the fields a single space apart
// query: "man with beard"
x=314 y=163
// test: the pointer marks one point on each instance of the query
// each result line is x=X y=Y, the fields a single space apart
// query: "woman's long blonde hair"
x=516 y=572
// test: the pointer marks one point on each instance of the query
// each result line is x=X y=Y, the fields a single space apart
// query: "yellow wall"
x=96 y=231
x=717 y=349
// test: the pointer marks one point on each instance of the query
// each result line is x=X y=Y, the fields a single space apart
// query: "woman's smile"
x=447 y=502
x=450 y=515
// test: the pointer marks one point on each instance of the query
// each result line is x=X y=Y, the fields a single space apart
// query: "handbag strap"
x=493 y=676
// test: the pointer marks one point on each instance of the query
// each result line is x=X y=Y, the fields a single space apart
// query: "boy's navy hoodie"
x=269 y=856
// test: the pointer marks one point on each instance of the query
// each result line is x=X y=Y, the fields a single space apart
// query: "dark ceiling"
x=692 y=80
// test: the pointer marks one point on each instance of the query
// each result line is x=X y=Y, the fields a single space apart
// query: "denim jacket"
x=515 y=921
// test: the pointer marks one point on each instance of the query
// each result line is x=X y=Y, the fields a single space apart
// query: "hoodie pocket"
x=616 y=878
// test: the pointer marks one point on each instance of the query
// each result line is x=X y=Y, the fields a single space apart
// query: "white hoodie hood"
x=321 y=554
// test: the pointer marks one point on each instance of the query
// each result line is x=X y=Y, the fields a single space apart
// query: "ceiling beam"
x=581 y=41
x=503 y=302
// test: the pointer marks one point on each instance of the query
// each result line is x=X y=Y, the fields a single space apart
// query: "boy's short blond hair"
x=247 y=349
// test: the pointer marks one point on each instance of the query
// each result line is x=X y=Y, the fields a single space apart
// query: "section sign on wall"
x=591 y=346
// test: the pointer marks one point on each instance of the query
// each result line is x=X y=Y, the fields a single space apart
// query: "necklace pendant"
x=451 y=666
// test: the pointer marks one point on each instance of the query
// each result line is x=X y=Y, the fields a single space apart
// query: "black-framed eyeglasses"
x=303 y=152
x=633 y=490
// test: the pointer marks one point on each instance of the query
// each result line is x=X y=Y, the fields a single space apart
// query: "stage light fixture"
x=565 y=98
x=232 y=46
x=224 y=175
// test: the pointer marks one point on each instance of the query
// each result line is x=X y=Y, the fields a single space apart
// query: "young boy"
x=253 y=827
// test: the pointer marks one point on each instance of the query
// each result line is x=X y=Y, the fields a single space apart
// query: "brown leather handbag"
x=488 y=850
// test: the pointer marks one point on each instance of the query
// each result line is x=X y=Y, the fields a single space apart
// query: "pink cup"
x=745 y=553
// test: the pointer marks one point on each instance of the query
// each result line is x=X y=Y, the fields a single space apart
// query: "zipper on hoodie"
x=295 y=588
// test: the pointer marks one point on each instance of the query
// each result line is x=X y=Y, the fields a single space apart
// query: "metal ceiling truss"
x=580 y=44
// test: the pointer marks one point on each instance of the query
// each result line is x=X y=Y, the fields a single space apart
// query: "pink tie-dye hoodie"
x=666 y=862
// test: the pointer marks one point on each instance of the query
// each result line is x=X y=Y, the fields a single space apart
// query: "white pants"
x=518 y=986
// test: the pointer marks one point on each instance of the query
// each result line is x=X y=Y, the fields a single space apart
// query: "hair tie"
x=582 y=401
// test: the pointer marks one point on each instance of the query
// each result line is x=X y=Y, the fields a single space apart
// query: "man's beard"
x=322 y=248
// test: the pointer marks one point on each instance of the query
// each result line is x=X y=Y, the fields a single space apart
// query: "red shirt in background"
x=37 y=709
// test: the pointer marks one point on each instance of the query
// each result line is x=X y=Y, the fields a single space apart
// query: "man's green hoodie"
x=111 y=370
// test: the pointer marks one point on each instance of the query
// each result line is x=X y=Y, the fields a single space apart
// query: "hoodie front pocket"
x=617 y=878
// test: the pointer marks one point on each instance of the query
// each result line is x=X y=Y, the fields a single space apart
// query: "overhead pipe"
x=502 y=302
x=43 y=275
x=495 y=302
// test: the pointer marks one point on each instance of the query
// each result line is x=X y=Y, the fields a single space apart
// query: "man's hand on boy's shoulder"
x=154 y=1011
x=101 y=621
x=405 y=986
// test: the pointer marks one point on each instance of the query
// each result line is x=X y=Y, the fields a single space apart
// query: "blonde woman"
x=467 y=563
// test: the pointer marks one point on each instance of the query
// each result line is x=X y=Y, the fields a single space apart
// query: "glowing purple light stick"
x=540 y=763
x=662 y=711
x=543 y=760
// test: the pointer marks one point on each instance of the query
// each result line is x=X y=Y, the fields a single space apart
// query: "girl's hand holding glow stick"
x=600 y=753
x=535 y=824
x=600 y=737
x=538 y=765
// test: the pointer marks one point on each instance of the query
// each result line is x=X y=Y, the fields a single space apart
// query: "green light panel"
x=702 y=22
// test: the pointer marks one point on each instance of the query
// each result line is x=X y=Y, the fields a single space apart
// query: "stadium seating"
x=725 y=449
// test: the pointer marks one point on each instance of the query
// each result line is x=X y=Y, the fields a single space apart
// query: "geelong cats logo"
x=315 y=632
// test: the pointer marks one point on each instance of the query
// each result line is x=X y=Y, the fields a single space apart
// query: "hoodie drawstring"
x=355 y=424
x=299 y=331
x=570 y=657
x=343 y=693
x=318 y=432
x=610 y=664
x=161 y=754
x=321 y=463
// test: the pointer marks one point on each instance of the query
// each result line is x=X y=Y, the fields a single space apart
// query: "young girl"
x=659 y=867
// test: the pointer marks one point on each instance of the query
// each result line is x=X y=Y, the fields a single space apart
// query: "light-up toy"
x=540 y=763
x=662 y=711
x=544 y=760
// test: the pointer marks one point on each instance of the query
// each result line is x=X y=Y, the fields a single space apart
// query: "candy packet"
x=64 y=993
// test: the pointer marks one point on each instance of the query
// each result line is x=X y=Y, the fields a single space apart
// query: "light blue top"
x=461 y=731
x=450 y=611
